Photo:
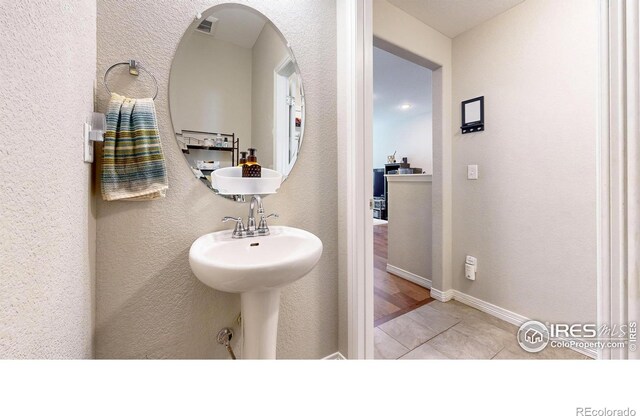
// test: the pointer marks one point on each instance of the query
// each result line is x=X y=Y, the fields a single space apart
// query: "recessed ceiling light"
x=406 y=106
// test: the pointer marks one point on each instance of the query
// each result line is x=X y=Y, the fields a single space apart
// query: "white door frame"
x=618 y=163
x=281 y=152
x=619 y=170
x=355 y=123
x=355 y=111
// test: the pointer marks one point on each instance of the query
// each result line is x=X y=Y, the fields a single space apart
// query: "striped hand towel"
x=133 y=167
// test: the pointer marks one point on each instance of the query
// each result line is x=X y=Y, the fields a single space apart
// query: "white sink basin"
x=256 y=267
x=254 y=264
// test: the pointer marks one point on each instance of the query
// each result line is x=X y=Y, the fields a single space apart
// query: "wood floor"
x=393 y=295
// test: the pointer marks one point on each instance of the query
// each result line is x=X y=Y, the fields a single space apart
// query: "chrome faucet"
x=251 y=230
x=251 y=221
x=262 y=228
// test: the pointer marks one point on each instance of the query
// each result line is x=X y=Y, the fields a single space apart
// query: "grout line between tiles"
x=494 y=356
x=438 y=333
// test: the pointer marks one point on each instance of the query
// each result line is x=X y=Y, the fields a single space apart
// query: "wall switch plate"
x=472 y=172
x=88 y=144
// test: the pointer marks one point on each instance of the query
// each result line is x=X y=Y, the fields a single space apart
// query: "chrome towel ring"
x=134 y=68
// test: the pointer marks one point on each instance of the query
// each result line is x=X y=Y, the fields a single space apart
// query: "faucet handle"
x=262 y=227
x=239 y=230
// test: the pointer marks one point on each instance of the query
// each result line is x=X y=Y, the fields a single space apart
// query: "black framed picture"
x=472 y=115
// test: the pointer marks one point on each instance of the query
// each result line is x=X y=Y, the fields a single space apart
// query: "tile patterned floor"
x=453 y=330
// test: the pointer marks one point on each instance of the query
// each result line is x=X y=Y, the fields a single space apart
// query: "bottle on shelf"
x=251 y=169
x=243 y=158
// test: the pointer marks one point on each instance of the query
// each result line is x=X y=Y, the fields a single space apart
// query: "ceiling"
x=397 y=81
x=453 y=17
x=239 y=26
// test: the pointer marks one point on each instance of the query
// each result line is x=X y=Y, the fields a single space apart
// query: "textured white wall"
x=149 y=303
x=531 y=217
x=47 y=224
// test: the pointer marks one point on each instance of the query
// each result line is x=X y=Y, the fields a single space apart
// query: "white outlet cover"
x=472 y=172
x=470 y=272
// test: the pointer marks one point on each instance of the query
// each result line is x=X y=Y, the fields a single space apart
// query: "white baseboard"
x=494 y=310
x=445 y=296
x=412 y=277
x=335 y=356
x=490 y=308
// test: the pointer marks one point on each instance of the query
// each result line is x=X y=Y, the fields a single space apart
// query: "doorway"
x=402 y=160
x=355 y=98
x=288 y=107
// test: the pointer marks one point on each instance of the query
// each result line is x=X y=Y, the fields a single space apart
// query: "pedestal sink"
x=257 y=268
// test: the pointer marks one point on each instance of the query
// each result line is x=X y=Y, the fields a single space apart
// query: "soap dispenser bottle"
x=251 y=169
x=243 y=159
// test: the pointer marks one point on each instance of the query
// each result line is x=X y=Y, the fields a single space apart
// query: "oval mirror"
x=235 y=85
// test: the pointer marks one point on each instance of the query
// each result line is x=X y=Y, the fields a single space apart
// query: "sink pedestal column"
x=260 y=324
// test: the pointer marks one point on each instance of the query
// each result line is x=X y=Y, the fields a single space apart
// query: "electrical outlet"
x=472 y=172
x=470 y=267
x=469 y=271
